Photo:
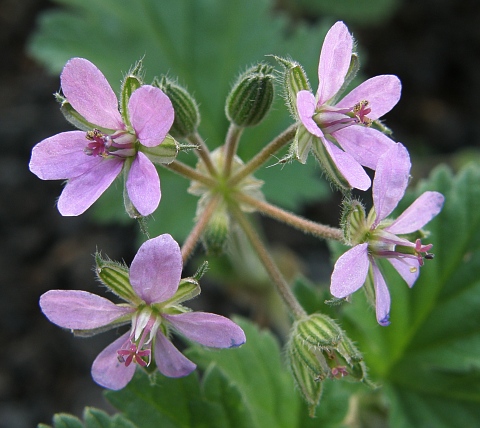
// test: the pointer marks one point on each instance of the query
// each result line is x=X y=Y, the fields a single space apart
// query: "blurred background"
x=432 y=45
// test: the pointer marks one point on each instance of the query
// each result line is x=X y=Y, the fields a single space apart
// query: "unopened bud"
x=251 y=97
x=187 y=115
x=216 y=233
x=353 y=220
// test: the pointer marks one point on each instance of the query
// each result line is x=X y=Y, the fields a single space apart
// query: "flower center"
x=331 y=119
x=138 y=346
x=120 y=144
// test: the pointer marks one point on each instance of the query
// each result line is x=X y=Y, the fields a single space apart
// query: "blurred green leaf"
x=93 y=418
x=428 y=356
x=204 y=43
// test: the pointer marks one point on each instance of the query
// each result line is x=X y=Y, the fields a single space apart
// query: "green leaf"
x=93 y=418
x=428 y=356
x=204 y=43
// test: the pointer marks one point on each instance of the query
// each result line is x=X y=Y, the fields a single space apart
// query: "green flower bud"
x=318 y=349
x=187 y=115
x=294 y=81
x=251 y=97
x=115 y=277
x=216 y=233
x=352 y=220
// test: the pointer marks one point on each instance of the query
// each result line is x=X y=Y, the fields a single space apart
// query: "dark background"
x=432 y=45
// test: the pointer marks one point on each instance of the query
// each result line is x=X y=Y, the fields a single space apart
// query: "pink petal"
x=82 y=191
x=408 y=268
x=306 y=109
x=391 y=180
x=143 y=185
x=170 y=361
x=350 y=271
x=417 y=215
x=334 y=61
x=62 y=156
x=381 y=92
x=208 y=329
x=151 y=115
x=348 y=166
x=156 y=269
x=365 y=145
x=110 y=373
x=382 y=297
x=90 y=94
x=79 y=310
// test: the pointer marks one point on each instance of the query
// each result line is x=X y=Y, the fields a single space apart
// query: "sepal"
x=164 y=153
x=131 y=82
x=251 y=97
x=115 y=277
x=353 y=221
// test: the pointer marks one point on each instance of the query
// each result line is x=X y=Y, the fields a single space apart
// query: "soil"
x=45 y=370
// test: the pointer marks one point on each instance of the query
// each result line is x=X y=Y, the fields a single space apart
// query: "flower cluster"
x=344 y=134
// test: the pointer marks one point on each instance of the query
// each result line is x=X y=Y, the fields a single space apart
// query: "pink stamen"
x=133 y=354
x=339 y=372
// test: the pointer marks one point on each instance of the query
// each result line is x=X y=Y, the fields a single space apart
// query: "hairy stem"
x=203 y=152
x=300 y=223
x=253 y=164
x=231 y=145
x=281 y=284
x=200 y=224
x=190 y=173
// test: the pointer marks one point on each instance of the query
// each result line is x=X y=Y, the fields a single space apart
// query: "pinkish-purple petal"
x=334 y=61
x=79 y=310
x=156 y=269
x=208 y=329
x=391 y=180
x=408 y=268
x=418 y=214
x=365 y=145
x=62 y=156
x=151 y=115
x=381 y=92
x=382 y=297
x=82 y=191
x=143 y=185
x=350 y=271
x=170 y=361
x=348 y=166
x=108 y=371
x=90 y=94
x=306 y=109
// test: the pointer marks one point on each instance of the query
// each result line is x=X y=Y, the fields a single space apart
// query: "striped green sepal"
x=319 y=331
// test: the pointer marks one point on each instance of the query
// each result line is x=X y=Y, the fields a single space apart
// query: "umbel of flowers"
x=128 y=135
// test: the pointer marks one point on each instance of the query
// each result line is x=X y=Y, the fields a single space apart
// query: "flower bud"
x=115 y=277
x=318 y=349
x=294 y=81
x=353 y=220
x=216 y=233
x=251 y=97
x=187 y=115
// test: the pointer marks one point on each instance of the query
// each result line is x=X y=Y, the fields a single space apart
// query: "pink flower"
x=153 y=310
x=91 y=161
x=376 y=237
x=343 y=126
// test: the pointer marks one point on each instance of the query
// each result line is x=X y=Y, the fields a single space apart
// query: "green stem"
x=203 y=152
x=300 y=223
x=231 y=145
x=190 y=173
x=202 y=221
x=281 y=284
x=276 y=144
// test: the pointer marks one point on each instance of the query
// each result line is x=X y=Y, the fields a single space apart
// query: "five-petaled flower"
x=153 y=309
x=343 y=127
x=91 y=160
x=376 y=237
